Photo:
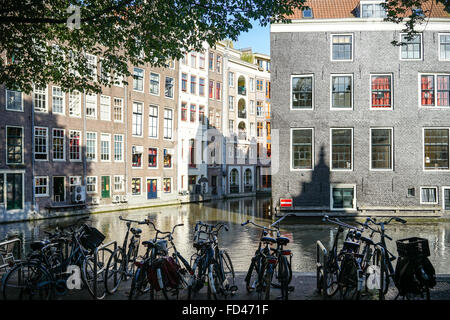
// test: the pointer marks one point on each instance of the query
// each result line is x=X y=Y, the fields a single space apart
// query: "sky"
x=258 y=38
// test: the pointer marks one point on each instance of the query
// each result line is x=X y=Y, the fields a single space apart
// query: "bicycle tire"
x=88 y=271
x=139 y=284
x=212 y=277
x=227 y=270
x=251 y=279
x=348 y=279
x=40 y=285
x=379 y=260
x=283 y=277
x=115 y=268
x=267 y=282
x=331 y=284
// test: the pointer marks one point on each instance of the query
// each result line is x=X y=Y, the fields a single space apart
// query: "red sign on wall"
x=286 y=203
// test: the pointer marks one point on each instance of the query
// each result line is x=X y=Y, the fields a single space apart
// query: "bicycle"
x=269 y=261
x=121 y=264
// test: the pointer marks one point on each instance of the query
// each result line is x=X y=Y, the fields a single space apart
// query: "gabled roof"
x=337 y=9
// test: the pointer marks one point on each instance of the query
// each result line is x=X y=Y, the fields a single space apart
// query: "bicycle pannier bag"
x=169 y=272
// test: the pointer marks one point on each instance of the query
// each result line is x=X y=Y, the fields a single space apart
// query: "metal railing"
x=321 y=258
x=7 y=258
x=96 y=273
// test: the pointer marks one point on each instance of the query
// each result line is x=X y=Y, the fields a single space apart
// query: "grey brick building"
x=363 y=124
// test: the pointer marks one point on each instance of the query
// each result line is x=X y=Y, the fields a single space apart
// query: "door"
x=106 y=187
x=59 y=192
x=14 y=191
x=152 y=188
x=447 y=198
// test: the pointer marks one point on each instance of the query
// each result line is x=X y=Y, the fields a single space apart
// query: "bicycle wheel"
x=251 y=279
x=331 y=271
x=348 y=279
x=379 y=260
x=115 y=271
x=139 y=284
x=212 y=281
x=284 y=275
x=91 y=279
x=227 y=276
x=28 y=281
x=267 y=282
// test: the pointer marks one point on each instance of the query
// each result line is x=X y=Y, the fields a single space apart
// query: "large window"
x=436 y=149
x=183 y=111
x=118 y=147
x=230 y=103
x=428 y=195
x=192 y=113
x=58 y=104
x=381 y=86
x=91 y=184
x=341 y=149
x=137 y=119
x=105 y=108
x=152 y=157
x=168 y=92
x=40 y=143
x=381 y=154
x=192 y=151
x=91 y=106
x=138 y=79
x=372 y=10
x=341 y=92
x=75 y=104
x=411 y=49
x=118 y=109
x=201 y=114
x=14 y=145
x=91 y=146
x=184 y=82
x=435 y=90
x=14 y=100
x=193 y=84
x=153 y=122
x=59 y=145
x=167 y=185
x=201 y=87
x=119 y=185
x=218 y=91
x=154 y=83
x=40 y=99
x=343 y=197
x=136 y=156
x=302 y=92
x=302 y=149
x=74 y=145
x=105 y=147
x=136 y=186
x=167 y=159
x=444 y=46
x=168 y=123
x=41 y=186
x=342 y=47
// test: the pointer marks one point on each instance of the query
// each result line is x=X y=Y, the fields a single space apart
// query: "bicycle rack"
x=7 y=252
x=112 y=243
x=321 y=258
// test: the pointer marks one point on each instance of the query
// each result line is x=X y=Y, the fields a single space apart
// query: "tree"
x=45 y=41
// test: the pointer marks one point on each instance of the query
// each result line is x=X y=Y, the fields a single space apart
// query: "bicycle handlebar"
x=259 y=226
x=340 y=223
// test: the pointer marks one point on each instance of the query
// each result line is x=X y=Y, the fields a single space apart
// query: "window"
x=435 y=90
x=381 y=91
x=105 y=143
x=40 y=99
x=118 y=110
x=202 y=61
x=169 y=87
x=372 y=10
x=105 y=108
x=105 y=74
x=444 y=46
x=201 y=114
x=14 y=145
x=75 y=104
x=217 y=120
x=219 y=64
x=136 y=186
x=302 y=149
x=211 y=61
x=73 y=182
x=193 y=84
x=14 y=100
x=92 y=65
x=184 y=82
x=411 y=192
x=41 y=186
x=307 y=13
x=152 y=157
x=137 y=119
x=167 y=159
x=201 y=87
x=59 y=144
x=136 y=156
x=91 y=146
x=211 y=89
x=343 y=197
x=341 y=94
x=154 y=83
x=211 y=118
x=341 y=149
x=218 y=91
x=446 y=198
x=91 y=106
x=193 y=60
x=192 y=113
x=230 y=103
x=91 y=184
x=183 y=111
x=342 y=47
x=118 y=147
x=167 y=185
x=168 y=123
x=58 y=104
x=231 y=79
x=153 y=122
x=259 y=129
x=40 y=143
x=302 y=92
x=436 y=149
x=192 y=153
x=138 y=79
x=381 y=154
x=428 y=195
x=259 y=108
x=252 y=129
x=411 y=49
x=252 y=107
x=259 y=85
x=74 y=145
x=252 y=84
x=231 y=125
x=119 y=185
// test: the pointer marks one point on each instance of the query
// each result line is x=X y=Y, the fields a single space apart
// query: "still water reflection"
x=241 y=242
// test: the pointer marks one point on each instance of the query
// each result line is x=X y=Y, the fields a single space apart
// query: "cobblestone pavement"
x=304 y=289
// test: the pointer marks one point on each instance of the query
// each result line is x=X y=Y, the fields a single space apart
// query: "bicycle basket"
x=201 y=236
x=413 y=247
x=91 y=237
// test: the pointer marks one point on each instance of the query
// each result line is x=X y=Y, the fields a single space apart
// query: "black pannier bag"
x=91 y=237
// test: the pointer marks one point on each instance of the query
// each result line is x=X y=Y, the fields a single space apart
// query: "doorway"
x=59 y=190
x=152 y=189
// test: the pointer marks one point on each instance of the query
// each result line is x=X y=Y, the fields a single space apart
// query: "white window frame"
x=443 y=197
x=429 y=187
x=78 y=108
x=331 y=46
x=41 y=195
x=423 y=149
x=419 y=98
x=63 y=100
x=421 y=48
x=150 y=118
x=142 y=157
x=159 y=84
x=392 y=148
x=370 y=91
x=6 y=144
x=143 y=79
x=105 y=116
x=121 y=182
x=92 y=98
x=162 y=185
x=64 y=145
x=46 y=99
x=81 y=147
x=113 y=147
x=95 y=145
x=94 y=184
x=342 y=185
x=142 y=119
x=231 y=79
x=310 y=75
x=172 y=125
x=6 y=100
x=439 y=45
x=173 y=88
x=92 y=65
x=331 y=149
x=157 y=158
x=140 y=189
x=331 y=91
x=312 y=149
x=114 y=109
x=105 y=137
x=370 y=2
x=46 y=144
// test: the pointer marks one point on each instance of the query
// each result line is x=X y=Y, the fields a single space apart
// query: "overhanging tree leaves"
x=117 y=31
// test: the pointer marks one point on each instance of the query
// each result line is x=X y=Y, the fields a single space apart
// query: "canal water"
x=241 y=242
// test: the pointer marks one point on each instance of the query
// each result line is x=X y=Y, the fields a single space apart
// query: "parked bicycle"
x=269 y=261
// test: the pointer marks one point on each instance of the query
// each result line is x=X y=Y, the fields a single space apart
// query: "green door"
x=106 y=187
x=14 y=191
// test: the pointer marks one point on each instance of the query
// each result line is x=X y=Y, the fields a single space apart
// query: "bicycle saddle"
x=267 y=239
x=136 y=231
x=282 y=241
x=38 y=245
x=148 y=243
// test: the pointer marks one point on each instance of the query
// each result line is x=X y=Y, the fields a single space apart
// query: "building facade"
x=363 y=124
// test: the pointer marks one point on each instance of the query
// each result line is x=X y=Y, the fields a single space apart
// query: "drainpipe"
x=33 y=195
x=126 y=137
x=85 y=140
